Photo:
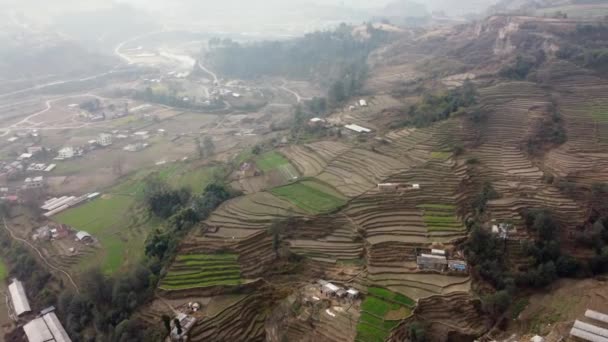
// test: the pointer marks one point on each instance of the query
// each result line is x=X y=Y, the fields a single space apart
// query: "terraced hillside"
x=381 y=311
x=337 y=223
x=202 y=270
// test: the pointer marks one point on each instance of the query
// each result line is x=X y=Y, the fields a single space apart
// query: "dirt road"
x=42 y=257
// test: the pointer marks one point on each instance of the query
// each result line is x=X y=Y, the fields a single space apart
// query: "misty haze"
x=304 y=170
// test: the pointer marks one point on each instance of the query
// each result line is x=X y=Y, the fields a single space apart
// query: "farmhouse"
x=502 y=230
x=186 y=322
x=46 y=328
x=105 y=139
x=25 y=156
x=329 y=289
x=362 y=103
x=66 y=153
x=432 y=262
x=357 y=128
x=18 y=298
x=352 y=293
x=33 y=183
x=83 y=236
x=316 y=122
x=457 y=265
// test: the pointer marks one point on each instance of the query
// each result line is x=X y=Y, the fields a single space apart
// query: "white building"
x=362 y=103
x=105 y=139
x=66 y=153
x=357 y=128
x=18 y=297
x=46 y=328
x=33 y=183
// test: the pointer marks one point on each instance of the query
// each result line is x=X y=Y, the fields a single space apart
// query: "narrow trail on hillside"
x=40 y=254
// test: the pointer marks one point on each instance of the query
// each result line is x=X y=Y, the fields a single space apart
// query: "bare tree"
x=118 y=165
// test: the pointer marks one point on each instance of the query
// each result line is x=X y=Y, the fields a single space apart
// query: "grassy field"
x=440 y=218
x=441 y=155
x=374 y=324
x=119 y=223
x=3 y=270
x=599 y=113
x=270 y=160
x=312 y=196
x=202 y=270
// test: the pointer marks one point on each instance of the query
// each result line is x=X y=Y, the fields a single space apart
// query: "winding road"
x=42 y=257
x=215 y=79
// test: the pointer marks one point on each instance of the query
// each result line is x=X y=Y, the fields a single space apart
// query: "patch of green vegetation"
x=392 y=296
x=373 y=325
x=313 y=197
x=518 y=307
x=3 y=270
x=202 y=270
x=599 y=113
x=270 y=160
x=116 y=220
x=441 y=155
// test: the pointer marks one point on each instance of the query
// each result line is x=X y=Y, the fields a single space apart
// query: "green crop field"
x=270 y=160
x=119 y=223
x=392 y=296
x=441 y=155
x=440 y=217
x=311 y=196
x=373 y=325
x=202 y=270
x=599 y=113
x=3 y=270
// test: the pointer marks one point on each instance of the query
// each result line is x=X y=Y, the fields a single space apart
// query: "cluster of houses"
x=44 y=327
x=594 y=329
x=334 y=291
x=438 y=260
x=98 y=113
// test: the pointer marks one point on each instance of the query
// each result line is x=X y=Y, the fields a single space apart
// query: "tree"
x=208 y=146
x=178 y=326
x=167 y=322
x=417 y=332
x=118 y=165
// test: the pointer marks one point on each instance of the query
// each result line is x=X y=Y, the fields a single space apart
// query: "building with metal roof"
x=46 y=328
x=18 y=298
x=598 y=316
x=589 y=332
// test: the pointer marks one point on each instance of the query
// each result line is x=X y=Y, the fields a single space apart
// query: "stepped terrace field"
x=312 y=196
x=202 y=270
x=381 y=311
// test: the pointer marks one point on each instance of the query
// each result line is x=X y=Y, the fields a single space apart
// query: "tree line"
x=103 y=310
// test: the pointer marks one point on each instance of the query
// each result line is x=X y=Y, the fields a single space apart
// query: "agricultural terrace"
x=3 y=270
x=381 y=311
x=312 y=196
x=270 y=160
x=440 y=218
x=119 y=223
x=599 y=112
x=202 y=270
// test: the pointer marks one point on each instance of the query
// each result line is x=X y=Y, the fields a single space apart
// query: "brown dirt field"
x=563 y=303
x=395 y=315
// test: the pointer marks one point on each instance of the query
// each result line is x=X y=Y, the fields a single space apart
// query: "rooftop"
x=18 y=297
x=46 y=328
x=358 y=129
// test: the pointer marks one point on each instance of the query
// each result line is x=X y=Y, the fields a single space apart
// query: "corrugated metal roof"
x=585 y=335
x=56 y=328
x=47 y=328
x=19 y=298
x=37 y=331
x=598 y=316
x=591 y=328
